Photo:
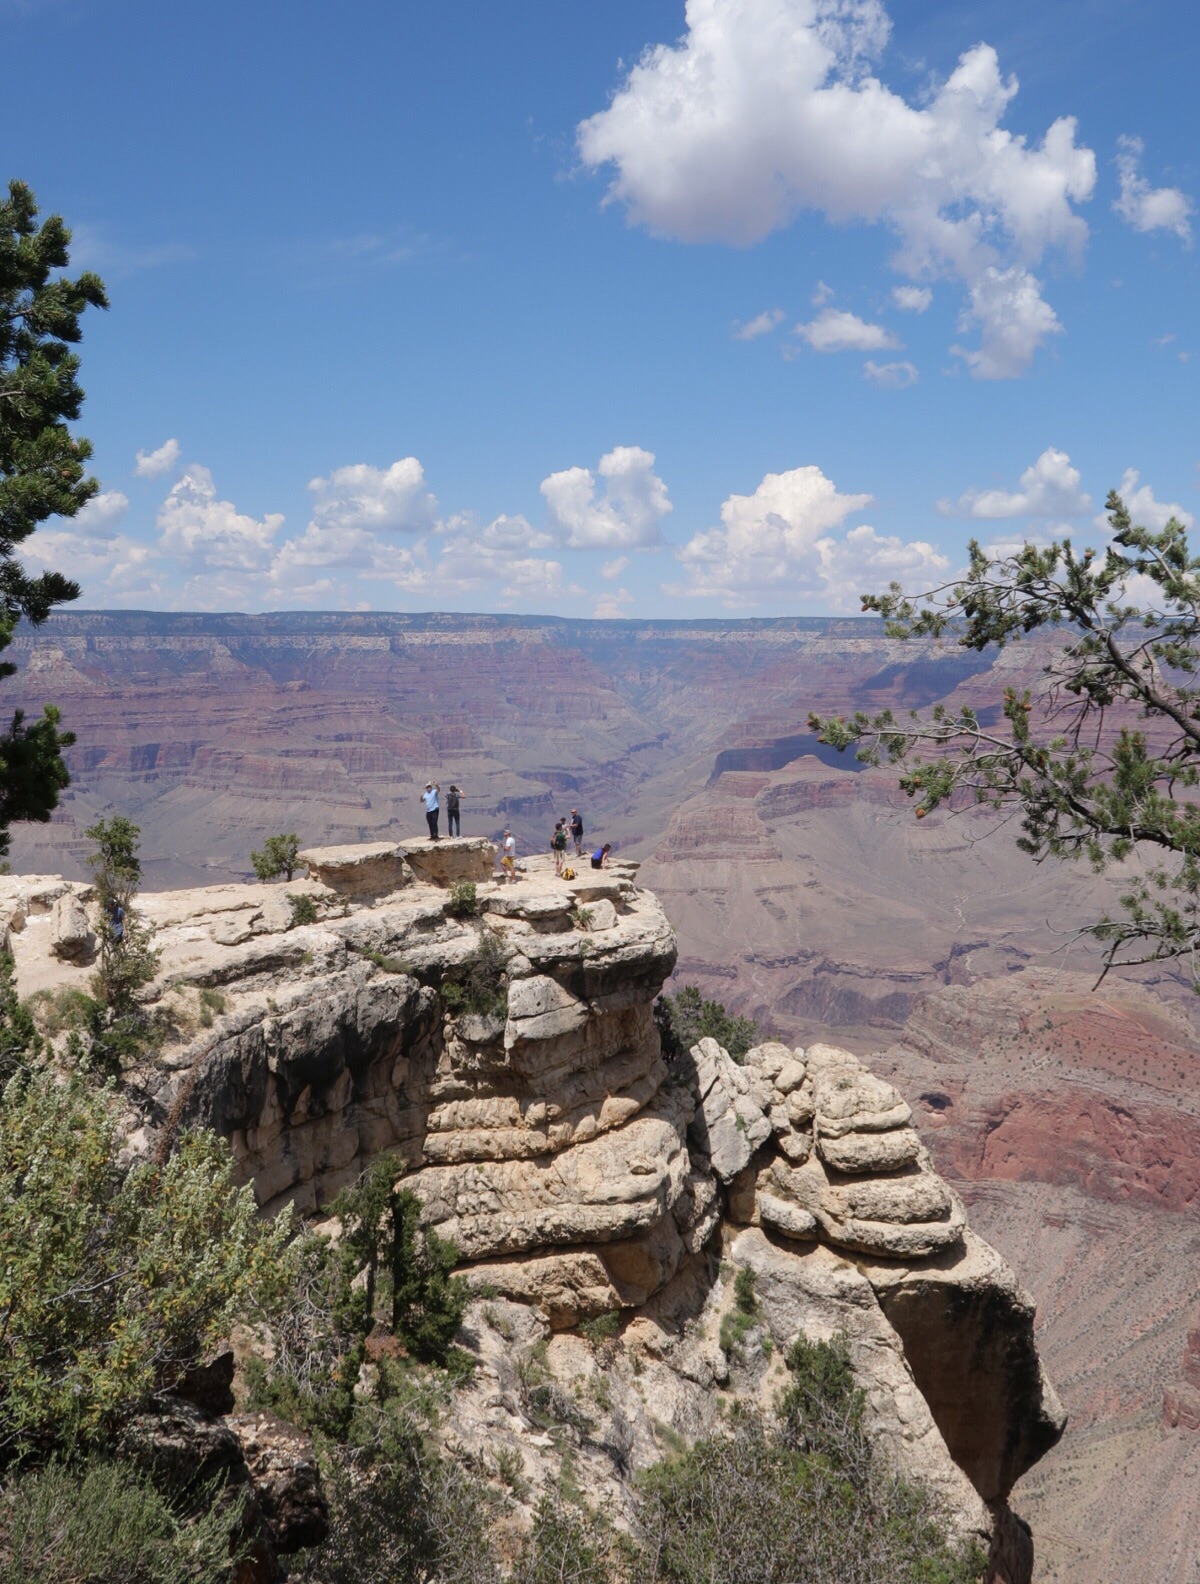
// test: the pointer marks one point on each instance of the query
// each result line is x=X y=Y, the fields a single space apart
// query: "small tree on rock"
x=128 y=961
x=276 y=857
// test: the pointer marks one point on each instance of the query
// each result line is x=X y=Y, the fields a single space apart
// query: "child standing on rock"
x=558 y=845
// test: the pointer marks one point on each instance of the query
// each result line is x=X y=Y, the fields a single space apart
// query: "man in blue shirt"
x=430 y=799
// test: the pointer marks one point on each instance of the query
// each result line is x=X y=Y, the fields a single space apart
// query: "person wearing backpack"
x=558 y=845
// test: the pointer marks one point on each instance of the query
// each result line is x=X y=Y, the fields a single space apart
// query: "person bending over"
x=600 y=856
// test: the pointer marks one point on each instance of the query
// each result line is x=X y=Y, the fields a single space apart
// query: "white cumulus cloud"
x=913 y=299
x=386 y=500
x=1048 y=488
x=767 y=108
x=1147 y=208
x=626 y=516
x=761 y=324
x=98 y=518
x=1144 y=507
x=149 y=464
x=785 y=538
x=204 y=533
x=835 y=330
x=890 y=376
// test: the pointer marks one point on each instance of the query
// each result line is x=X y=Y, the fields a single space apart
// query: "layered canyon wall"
x=578 y=1172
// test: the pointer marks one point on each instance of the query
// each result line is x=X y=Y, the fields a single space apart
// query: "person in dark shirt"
x=577 y=832
x=453 y=824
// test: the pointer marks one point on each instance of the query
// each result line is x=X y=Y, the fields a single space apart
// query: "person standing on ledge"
x=508 y=856
x=577 y=832
x=453 y=824
x=558 y=845
x=430 y=799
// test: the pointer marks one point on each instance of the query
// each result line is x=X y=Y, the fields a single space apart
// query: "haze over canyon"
x=802 y=892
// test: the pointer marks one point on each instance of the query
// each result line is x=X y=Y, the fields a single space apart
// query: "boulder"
x=71 y=938
x=731 y=1118
x=363 y=872
x=967 y=1328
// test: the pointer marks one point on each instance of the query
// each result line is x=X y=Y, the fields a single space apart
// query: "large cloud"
x=1148 y=208
x=386 y=500
x=767 y=108
x=627 y=516
x=204 y=533
x=782 y=541
x=1049 y=488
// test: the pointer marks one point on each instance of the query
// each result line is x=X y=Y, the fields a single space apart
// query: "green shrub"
x=304 y=909
x=398 y=1511
x=20 y=1041
x=582 y=917
x=744 y=1295
x=384 y=1268
x=685 y=1018
x=112 y=1282
x=464 y=901
x=277 y=856
x=102 y=1523
x=480 y=984
x=601 y=1328
x=212 y=1004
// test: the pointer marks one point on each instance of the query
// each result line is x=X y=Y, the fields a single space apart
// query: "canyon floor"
x=803 y=892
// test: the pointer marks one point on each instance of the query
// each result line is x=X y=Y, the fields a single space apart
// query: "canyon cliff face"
x=802 y=892
x=579 y=1173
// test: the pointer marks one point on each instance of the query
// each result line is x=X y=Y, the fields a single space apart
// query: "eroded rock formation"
x=507 y=1055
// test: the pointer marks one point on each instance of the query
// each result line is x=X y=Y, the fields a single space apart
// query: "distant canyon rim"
x=802 y=892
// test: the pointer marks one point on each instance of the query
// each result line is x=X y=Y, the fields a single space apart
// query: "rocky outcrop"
x=267 y=1465
x=376 y=869
x=510 y=1063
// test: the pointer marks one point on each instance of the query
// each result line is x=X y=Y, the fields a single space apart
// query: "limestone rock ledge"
x=580 y=1174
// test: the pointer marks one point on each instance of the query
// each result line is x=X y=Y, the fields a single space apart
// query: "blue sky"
x=616 y=309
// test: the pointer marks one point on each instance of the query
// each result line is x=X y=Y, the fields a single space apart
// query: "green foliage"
x=582 y=917
x=111 y=1283
x=277 y=857
x=480 y=984
x=822 y=1407
x=304 y=909
x=744 y=1295
x=749 y=1509
x=1086 y=778
x=601 y=1328
x=568 y=1543
x=212 y=1004
x=464 y=900
x=381 y=1234
x=398 y=1512
x=102 y=1523
x=42 y=469
x=20 y=1041
x=383 y=1265
x=118 y=1029
x=685 y=1018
